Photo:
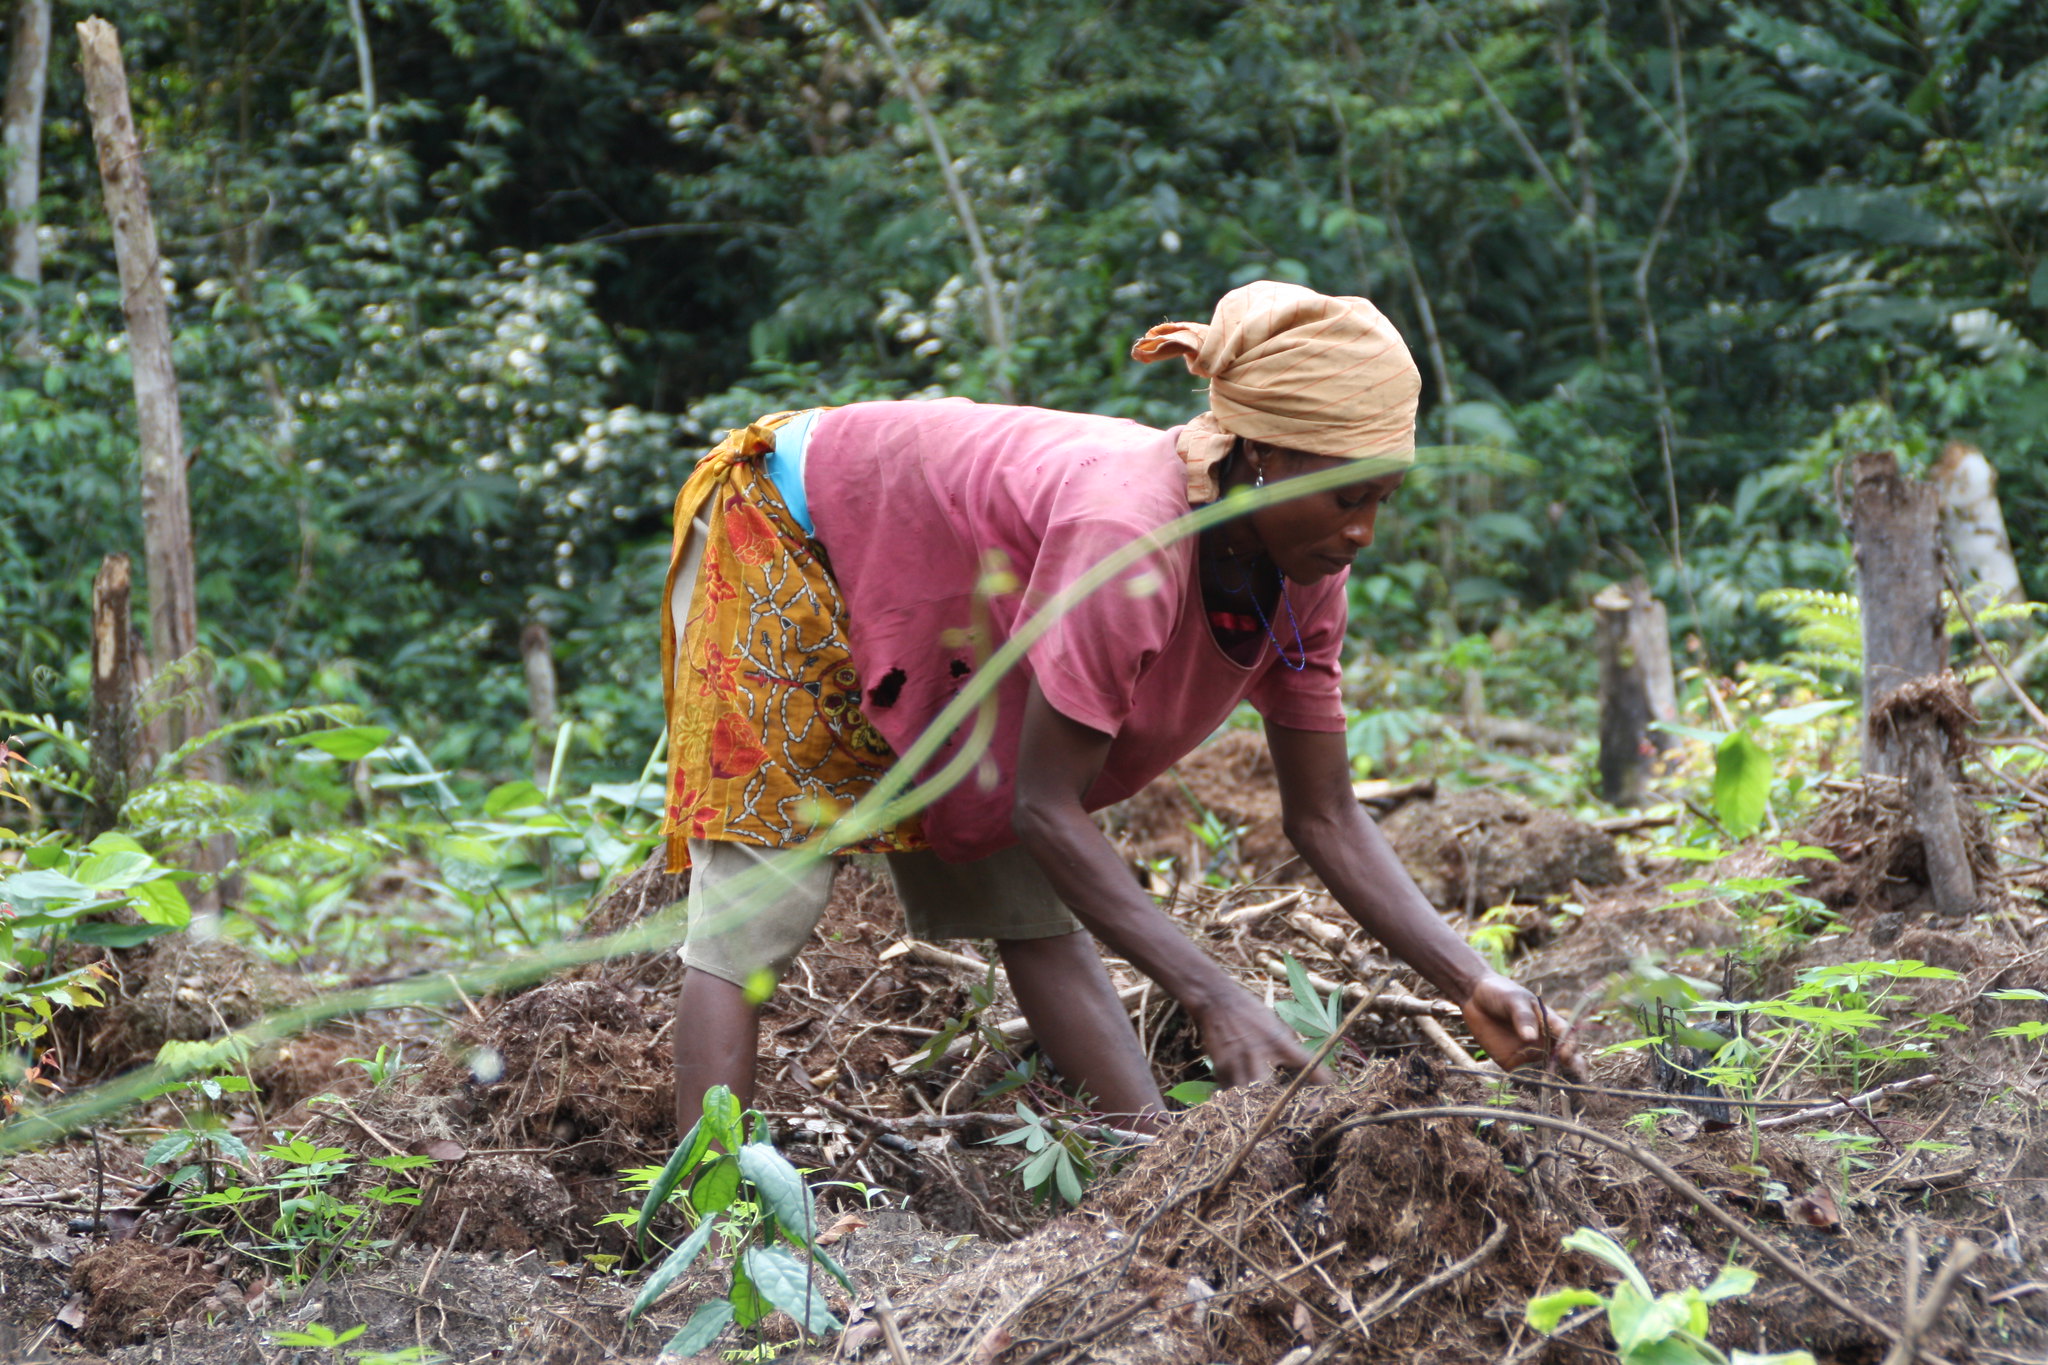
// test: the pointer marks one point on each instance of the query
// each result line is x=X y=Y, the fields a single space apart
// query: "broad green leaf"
x=1548 y=1310
x=1191 y=1093
x=113 y=841
x=748 y=1306
x=680 y=1163
x=1626 y=1310
x=671 y=1268
x=116 y=870
x=792 y=1286
x=722 y=1118
x=1801 y=715
x=2016 y=993
x=1775 y=1358
x=1601 y=1247
x=1742 y=784
x=103 y=935
x=701 y=1330
x=715 y=1186
x=32 y=891
x=161 y=903
x=1732 y=1283
x=511 y=796
x=169 y=1148
x=349 y=742
x=781 y=1190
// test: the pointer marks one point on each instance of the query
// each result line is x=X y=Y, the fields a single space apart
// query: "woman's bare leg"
x=717 y=1034
x=1072 y=1006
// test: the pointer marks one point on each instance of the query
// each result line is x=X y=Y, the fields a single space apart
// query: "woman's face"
x=1318 y=534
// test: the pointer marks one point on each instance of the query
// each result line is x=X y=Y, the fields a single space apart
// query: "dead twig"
x=885 y=1314
x=1922 y=1317
x=1851 y=1104
x=1455 y=1270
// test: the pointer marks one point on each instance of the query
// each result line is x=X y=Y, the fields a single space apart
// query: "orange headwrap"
x=1298 y=369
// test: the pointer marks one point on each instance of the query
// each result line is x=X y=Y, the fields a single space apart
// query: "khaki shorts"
x=735 y=933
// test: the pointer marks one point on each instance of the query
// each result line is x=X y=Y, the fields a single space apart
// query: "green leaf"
x=1732 y=1283
x=790 y=1285
x=511 y=796
x=671 y=1268
x=1775 y=1358
x=103 y=935
x=1191 y=1093
x=782 y=1191
x=169 y=1148
x=1742 y=784
x=2016 y=993
x=748 y=1307
x=722 y=1118
x=701 y=1330
x=1548 y=1310
x=1684 y=731
x=161 y=903
x=715 y=1186
x=349 y=742
x=1801 y=715
x=685 y=1157
x=1601 y=1247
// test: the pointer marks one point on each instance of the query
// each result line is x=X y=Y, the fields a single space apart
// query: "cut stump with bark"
x=116 y=743
x=1915 y=713
x=1636 y=689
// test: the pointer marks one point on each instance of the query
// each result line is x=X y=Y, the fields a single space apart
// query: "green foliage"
x=310 y=1213
x=1060 y=1159
x=738 y=1188
x=1651 y=1328
x=1308 y=1011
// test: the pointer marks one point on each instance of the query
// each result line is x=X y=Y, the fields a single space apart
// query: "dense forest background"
x=461 y=286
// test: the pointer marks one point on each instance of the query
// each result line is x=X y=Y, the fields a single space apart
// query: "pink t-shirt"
x=912 y=500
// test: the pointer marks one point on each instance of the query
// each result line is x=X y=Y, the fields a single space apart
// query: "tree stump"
x=1636 y=689
x=115 y=739
x=537 y=652
x=1915 y=712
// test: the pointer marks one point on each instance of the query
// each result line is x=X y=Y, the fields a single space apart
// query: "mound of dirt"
x=1472 y=850
x=1882 y=861
x=136 y=1289
x=181 y=988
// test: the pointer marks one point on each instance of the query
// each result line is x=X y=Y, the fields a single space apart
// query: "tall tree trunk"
x=1636 y=688
x=1914 y=709
x=166 y=509
x=1973 y=524
x=21 y=132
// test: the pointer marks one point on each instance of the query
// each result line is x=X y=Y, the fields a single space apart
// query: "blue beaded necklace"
x=1244 y=585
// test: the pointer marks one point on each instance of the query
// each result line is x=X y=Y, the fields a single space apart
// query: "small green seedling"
x=1651 y=1328
x=1059 y=1160
x=738 y=1184
x=1309 y=1013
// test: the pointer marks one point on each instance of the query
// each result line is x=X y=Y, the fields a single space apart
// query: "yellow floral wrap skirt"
x=767 y=742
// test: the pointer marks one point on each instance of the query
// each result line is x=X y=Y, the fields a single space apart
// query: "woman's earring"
x=1260 y=481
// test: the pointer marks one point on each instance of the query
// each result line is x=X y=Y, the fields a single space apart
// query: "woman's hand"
x=1516 y=1029
x=1246 y=1041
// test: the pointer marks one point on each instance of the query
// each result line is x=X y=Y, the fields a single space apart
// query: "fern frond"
x=184 y=810
x=289 y=721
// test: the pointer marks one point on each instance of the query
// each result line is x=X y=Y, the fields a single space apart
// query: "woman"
x=837 y=576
